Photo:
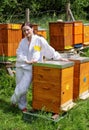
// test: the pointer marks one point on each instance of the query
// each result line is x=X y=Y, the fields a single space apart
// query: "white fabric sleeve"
x=48 y=51
x=56 y=56
x=36 y=56
x=20 y=54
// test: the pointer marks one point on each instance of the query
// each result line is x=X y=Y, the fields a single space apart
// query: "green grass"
x=12 y=118
x=78 y=118
x=85 y=52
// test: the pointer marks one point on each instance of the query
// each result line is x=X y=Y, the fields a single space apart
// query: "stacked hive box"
x=86 y=34
x=53 y=86
x=10 y=35
x=77 y=32
x=81 y=78
x=61 y=35
x=42 y=32
x=35 y=27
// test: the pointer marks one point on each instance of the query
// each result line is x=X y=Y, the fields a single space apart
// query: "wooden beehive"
x=86 y=34
x=61 y=35
x=35 y=27
x=81 y=78
x=10 y=35
x=42 y=32
x=53 y=86
x=77 y=32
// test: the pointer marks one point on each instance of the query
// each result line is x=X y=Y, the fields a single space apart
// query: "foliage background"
x=14 y=10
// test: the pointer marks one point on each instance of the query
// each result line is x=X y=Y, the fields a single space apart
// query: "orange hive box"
x=42 y=32
x=53 y=86
x=86 y=34
x=35 y=27
x=61 y=35
x=10 y=35
x=77 y=32
x=81 y=78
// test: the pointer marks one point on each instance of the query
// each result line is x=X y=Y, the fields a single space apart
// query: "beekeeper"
x=31 y=49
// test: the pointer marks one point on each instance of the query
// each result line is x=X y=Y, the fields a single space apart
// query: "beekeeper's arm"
x=50 y=52
x=21 y=54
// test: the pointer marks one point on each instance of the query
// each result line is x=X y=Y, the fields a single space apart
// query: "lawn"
x=12 y=118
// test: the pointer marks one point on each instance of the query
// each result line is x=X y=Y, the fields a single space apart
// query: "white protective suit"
x=38 y=48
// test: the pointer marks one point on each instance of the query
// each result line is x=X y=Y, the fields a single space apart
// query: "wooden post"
x=69 y=14
x=72 y=17
x=27 y=15
x=67 y=11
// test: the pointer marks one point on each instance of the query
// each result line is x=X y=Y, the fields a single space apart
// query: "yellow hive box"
x=77 y=32
x=53 y=86
x=86 y=34
x=81 y=78
x=42 y=32
x=10 y=36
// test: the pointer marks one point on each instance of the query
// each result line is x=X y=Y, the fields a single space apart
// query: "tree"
x=78 y=7
x=14 y=10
